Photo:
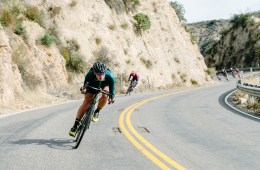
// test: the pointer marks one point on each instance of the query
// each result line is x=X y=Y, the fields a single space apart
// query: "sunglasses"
x=100 y=74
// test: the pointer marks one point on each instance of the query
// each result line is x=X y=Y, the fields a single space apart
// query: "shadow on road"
x=56 y=143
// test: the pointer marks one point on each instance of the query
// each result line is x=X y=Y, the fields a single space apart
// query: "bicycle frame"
x=86 y=119
x=130 y=88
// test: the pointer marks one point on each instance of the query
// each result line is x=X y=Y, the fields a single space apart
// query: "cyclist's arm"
x=112 y=83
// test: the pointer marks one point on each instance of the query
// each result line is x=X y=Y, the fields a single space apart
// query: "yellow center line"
x=138 y=145
x=129 y=111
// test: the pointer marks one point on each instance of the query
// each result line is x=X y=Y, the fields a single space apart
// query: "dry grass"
x=252 y=104
x=254 y=80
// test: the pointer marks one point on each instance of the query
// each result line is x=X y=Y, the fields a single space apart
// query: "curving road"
x=184 y=129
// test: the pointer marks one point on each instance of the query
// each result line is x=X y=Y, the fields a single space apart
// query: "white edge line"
x=236 y=108
x=36 y=108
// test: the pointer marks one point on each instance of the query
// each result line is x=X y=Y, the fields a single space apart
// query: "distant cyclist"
x=223 y=73
x=100 y=77
x=133 y=77
x=236 y=71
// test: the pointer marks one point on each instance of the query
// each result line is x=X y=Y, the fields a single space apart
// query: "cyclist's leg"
x=80 y=113
x=84 y=105
x=101 y=103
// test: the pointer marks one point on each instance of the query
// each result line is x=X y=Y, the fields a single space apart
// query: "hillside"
x=46 y=47
x=206 y=33
x=230 y=43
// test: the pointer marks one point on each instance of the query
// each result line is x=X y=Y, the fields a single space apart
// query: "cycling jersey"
x=134 y=77
x=109 y=80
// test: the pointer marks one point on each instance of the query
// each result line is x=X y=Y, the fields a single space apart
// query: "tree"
x=179 y=9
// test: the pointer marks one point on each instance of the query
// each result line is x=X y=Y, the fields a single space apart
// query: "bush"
x=47 y=40
x=240 y=20
x=131 y=4
x=143 y=21
x=118 y=5
x=194 y=82
x=179 y=9
x=75 y=63
x=19 y=28
x=34 y=14
x=210 y=71
x=211 y=23
x=6 y=18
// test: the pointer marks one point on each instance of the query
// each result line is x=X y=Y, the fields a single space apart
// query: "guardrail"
x=250 y=89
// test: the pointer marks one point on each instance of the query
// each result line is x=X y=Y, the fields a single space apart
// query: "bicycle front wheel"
x=85 y=122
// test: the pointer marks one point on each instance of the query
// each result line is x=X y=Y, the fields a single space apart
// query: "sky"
x=201 y=10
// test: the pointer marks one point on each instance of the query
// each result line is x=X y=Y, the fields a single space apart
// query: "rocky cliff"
x=230 y=43
x=47 y=46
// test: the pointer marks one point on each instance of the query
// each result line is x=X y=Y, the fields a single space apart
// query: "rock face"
x=163 y=55
x=230 y=43
x=207 y=33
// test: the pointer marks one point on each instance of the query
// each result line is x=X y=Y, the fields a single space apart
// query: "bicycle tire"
x=129 y=90
x=85 y=123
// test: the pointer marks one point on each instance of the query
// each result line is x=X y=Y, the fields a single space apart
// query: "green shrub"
x=47 y=40
x=211 y=23
x=240 y=20
x=16 y=10
x=179 y=9
x=143 y=21
x=194 y=82
x=19 y=28
x=210 y=71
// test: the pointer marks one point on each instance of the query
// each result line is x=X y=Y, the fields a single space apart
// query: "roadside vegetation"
x=246 y=102
x=180 y=12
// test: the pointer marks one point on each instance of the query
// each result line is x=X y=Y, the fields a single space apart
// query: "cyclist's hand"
x=83 y=90
x=111 y=99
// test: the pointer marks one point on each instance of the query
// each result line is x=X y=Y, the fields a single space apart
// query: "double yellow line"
x=141 y=142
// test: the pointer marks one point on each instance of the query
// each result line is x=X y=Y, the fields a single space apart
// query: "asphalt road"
x=186 y=129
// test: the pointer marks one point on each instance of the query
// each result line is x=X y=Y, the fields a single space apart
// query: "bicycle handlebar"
x=101 y=91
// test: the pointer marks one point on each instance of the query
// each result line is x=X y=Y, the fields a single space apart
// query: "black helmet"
x=99 y=67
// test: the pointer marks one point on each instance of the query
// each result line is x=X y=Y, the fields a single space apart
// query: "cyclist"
x=134 y=79
x=235 y=72
x=98 y=76
x=223 y=72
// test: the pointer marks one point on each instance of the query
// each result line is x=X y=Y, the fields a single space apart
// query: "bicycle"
x=234 y=73
x=87 y=117
x=221 y=73
x=130 y=88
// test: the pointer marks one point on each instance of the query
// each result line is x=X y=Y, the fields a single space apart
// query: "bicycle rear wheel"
x=85 y=125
